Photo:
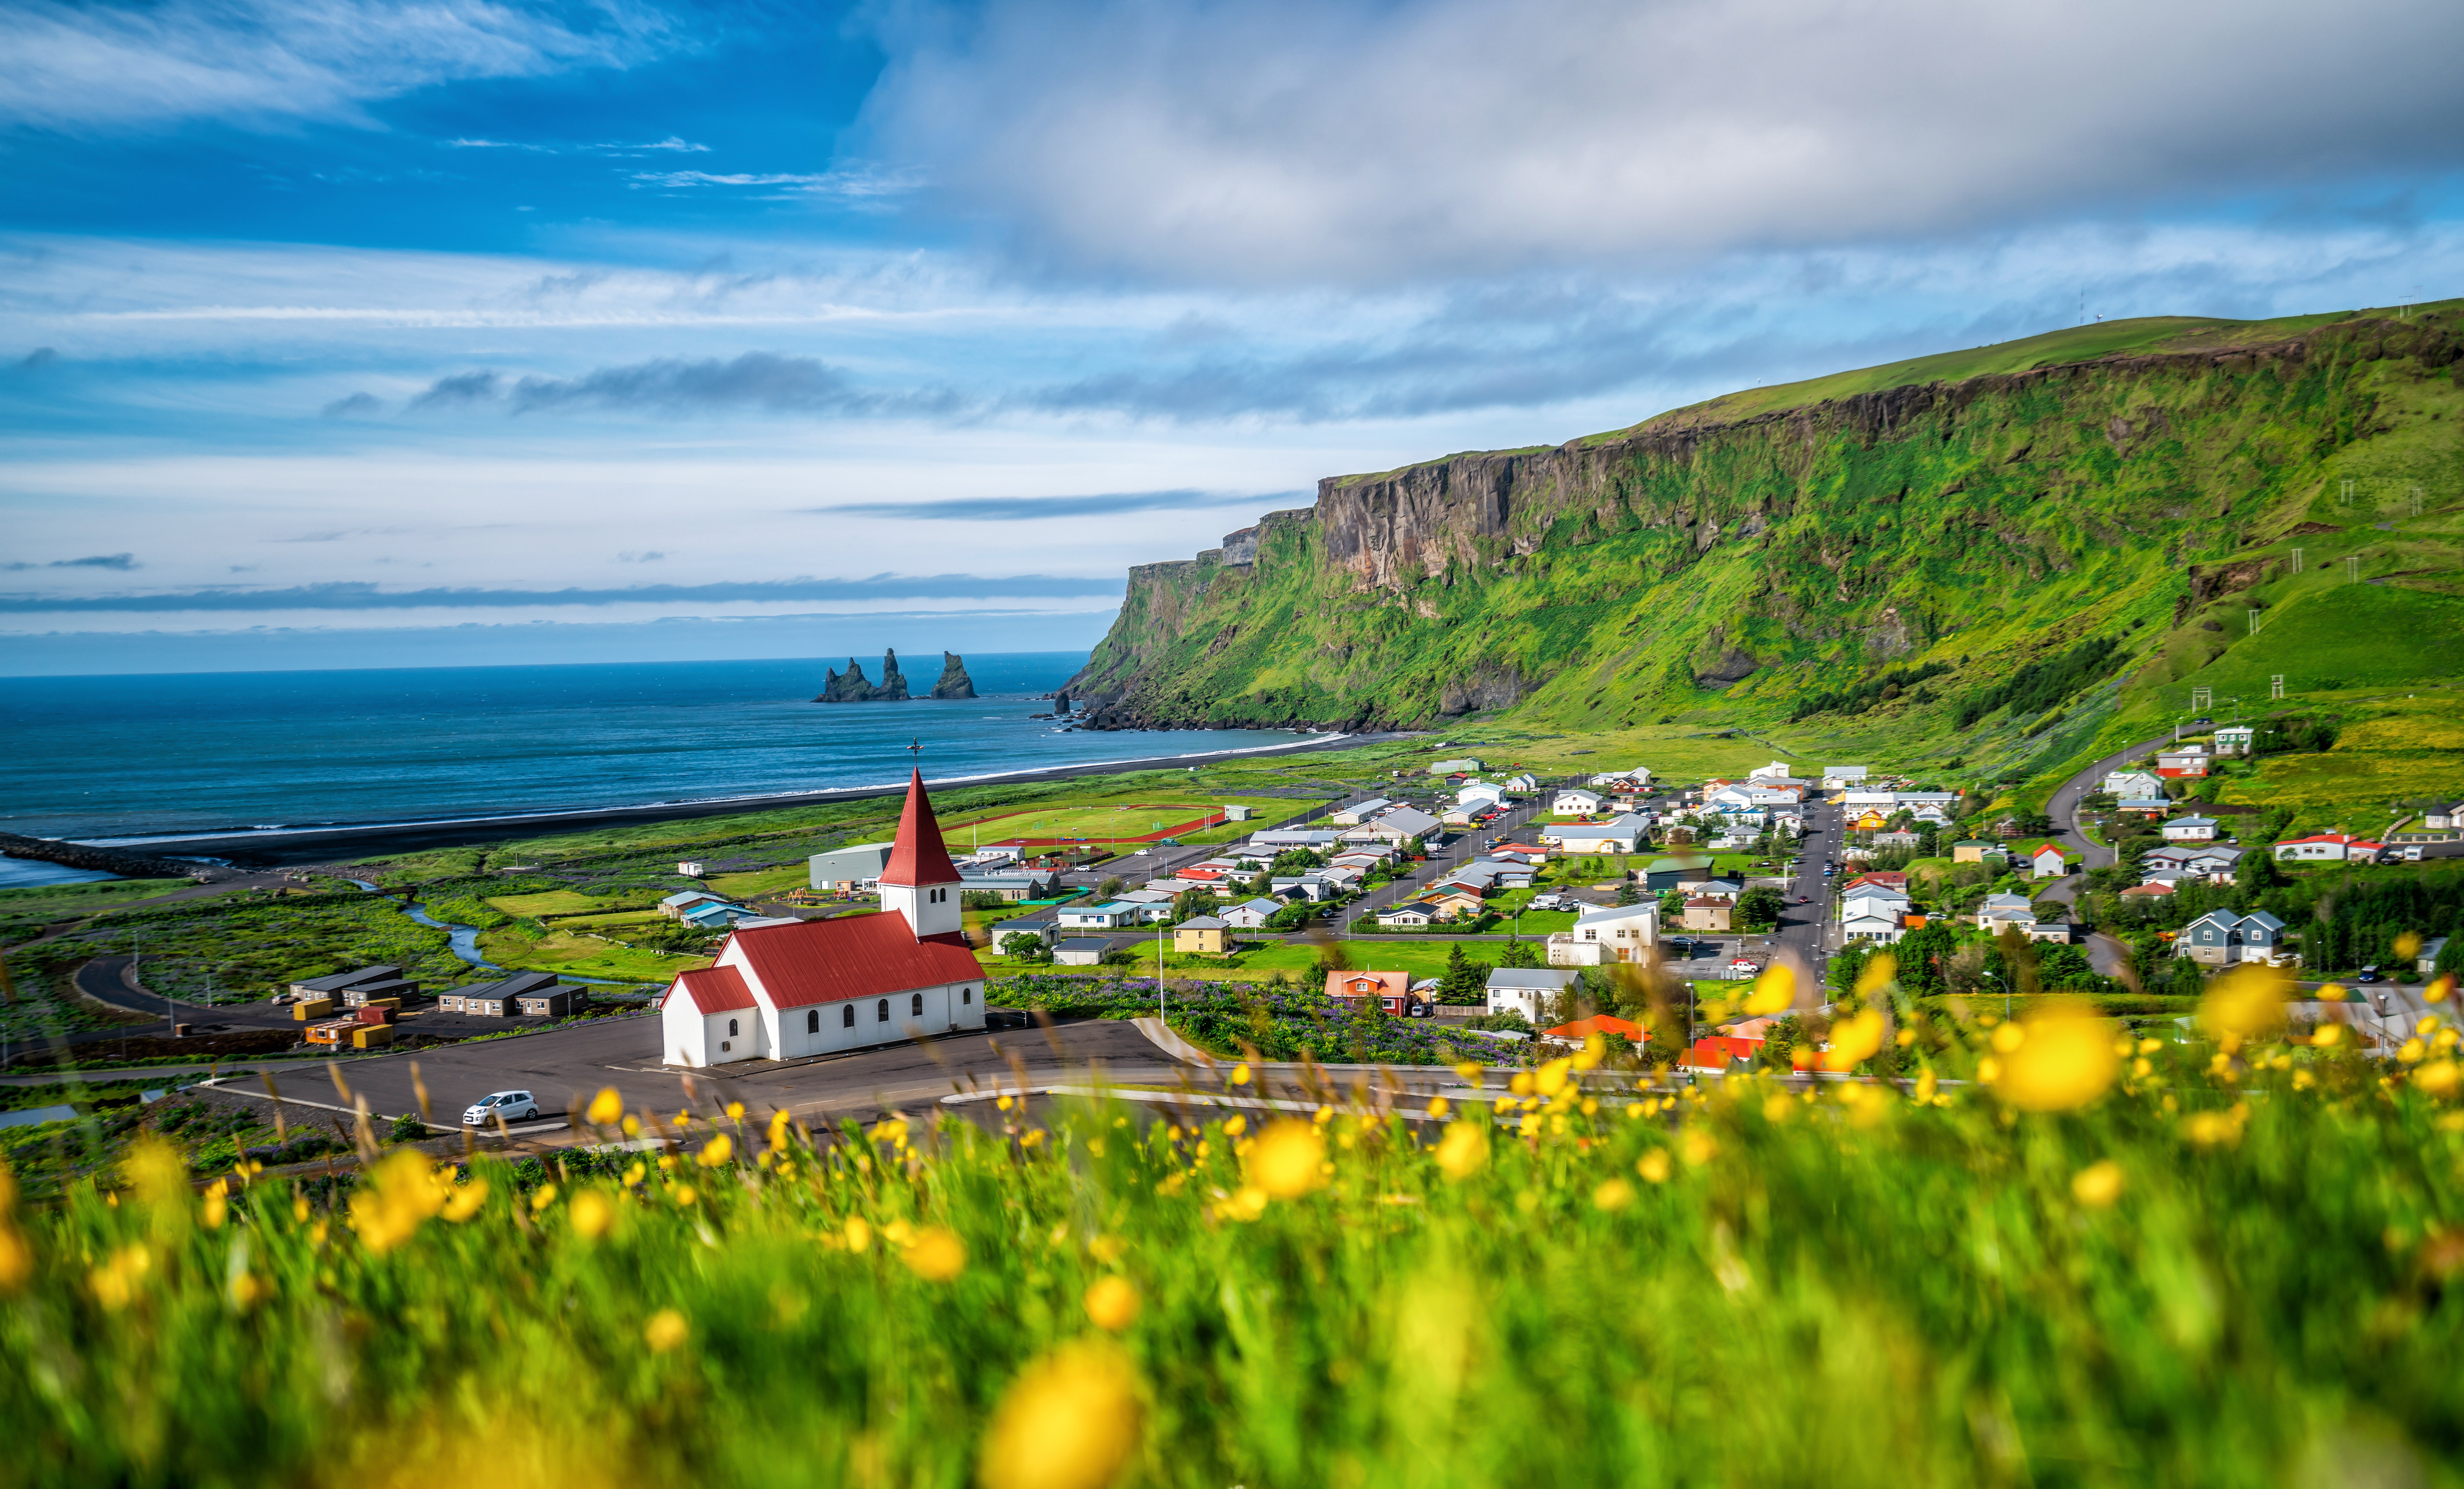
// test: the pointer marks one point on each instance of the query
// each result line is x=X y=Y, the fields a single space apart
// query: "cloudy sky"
x=353 y=331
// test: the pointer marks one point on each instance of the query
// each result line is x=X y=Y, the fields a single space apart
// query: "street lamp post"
x=2006 y=994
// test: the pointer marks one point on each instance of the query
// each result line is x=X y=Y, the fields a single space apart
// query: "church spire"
x=917 y=857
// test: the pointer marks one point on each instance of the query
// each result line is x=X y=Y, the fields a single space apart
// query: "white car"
x=512 y=1106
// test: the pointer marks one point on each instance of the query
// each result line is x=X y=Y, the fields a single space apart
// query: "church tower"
x=919 y=881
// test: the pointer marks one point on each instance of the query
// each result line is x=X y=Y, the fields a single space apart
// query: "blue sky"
x=474 y=331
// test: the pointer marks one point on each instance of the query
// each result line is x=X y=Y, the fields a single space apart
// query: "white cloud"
x=1303 y=140
x=99 y=66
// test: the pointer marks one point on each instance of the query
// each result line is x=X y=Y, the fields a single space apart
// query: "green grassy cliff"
x=2003 y=554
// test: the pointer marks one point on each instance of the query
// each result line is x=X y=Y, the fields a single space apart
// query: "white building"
x=2190 y=829
x=1358 y=812
x=2138 y=785
x=1839 y=778
x=1624 y=933
x=1252 y=915
x=1575 y=801
x=783 y=991
x=1776 y=770
x=1522 y=989
x=1612 y=837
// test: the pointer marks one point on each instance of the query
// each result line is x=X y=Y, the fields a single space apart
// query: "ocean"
x=132 y=758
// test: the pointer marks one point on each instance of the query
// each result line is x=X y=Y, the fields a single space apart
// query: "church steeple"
x=919 y=881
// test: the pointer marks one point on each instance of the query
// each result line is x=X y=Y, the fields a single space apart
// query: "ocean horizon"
x=147 y=757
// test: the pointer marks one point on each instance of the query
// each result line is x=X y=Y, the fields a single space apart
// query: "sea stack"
x=850 y=686
x=954 y=682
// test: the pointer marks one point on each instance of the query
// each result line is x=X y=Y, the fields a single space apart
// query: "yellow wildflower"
x=2439 y=1078
x=1653 y=1166
x=1922 y=1095
x=397 y=1195
x=2407 y=946
x=1854 y=1040
x=1285 y=1160
x=685 y=1196
x=936 y=1254
x=1235 y=1125
x=1529 y=1126
x=1776 y=1107
x=2411 y=1051
x=465 y=1200
x=1882 y=969
x=217 y=1204
x=1438 y=1106
x=543 y=1196
x=1463 y=1152
x=2097 y=1185
x=1113 y=1304
x=859 y=1235
x=1472 y=1071
x=1613 y=1194
x=665 y=1330
x=1774 y=991
x=1697 y=1148
x=2327 y=1034
x=780 y=1122
x=2244 y=1002
x=2440 y=988
x=605 y=1108
x=1241 y=1074
x=1520 y=1084
x=717 y=1151
x=734 y=1112
x=1550 y=1078
x=592 y=1214
x=1069 y=1421
x=2065 y=1062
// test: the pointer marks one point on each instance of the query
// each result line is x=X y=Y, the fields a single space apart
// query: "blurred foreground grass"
x=2087 y=1271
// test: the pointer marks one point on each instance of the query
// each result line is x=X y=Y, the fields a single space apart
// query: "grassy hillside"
x=1872 y=563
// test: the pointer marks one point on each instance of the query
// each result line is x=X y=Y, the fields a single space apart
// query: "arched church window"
x=813 y=1021
x=850 y=1021
x=731 y=1028
x=917 y=1007
x=883 y=1015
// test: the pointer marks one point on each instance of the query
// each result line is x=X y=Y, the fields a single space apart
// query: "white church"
x=786 y=990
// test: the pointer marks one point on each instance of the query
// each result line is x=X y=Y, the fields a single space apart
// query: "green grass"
x=50 y=902
x=762 y=881
x=1902 y=1295
x=583 y=956
x=551 y=901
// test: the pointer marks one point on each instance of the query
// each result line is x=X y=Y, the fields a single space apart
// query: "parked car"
x=2372 y=975
x=512 y=1106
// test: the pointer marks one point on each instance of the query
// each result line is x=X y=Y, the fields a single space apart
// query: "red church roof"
x=830 y=961
x=713 y=990
x=917 y=857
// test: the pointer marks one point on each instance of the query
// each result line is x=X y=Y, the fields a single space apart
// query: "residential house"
x=1252 y=914
x=1111 y=915
x=1974 y=850
x=2444 y=815
x=2333 y=847
x=2188 y=761
x=2153 y=889
x=677 y=906
x=2005 y=909
x=1016 y=886
x=1776 y=770
x=1081 y=950
x=2220 y=937
x=554 y=1002
x=1842 y=777
x=500 y=999
x=1358 y=812
x=1676 y=870
x=1709 y=912
x=2151 y=805
x=1312 y=887
x=1886 y=878
x=1872 y=924
x=1528 y=991
x=1627 y=932
x=1637 y=777
x=2132 y=784
x=1619 y=835
x=1402 y=825
x=2194 y=828
x=1931 y=817
x=2426 y=963
x=1518 y=785
x=849 y=867
x=1042 y=928
x=1409 y=915
x=2047 y=863
x=1870 y=820
x=1575 y=801
x=718 y=916
x=1581 y=1031
x=2057 y=933
x=1391 y=991
x=1718 y=889
x=1454 y=899
x=1479 y=793
x=2235 y=739
x=1202 y=935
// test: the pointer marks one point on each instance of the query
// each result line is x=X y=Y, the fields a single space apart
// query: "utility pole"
x=2352 y=568
x=2275 y=685
x=2297 y=561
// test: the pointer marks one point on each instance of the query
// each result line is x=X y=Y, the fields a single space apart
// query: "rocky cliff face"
x=850 y=686
x=954 y=682
x=1635 y=576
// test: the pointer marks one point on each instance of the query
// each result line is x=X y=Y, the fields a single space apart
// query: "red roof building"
x=1391 y=990
x=791 y=990
x=1582 y=1029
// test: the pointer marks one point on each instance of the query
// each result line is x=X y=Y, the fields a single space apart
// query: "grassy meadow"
x=2212 y=1264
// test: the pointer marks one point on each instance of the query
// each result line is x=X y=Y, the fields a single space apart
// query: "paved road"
x=1805 y=929
x=2063 y=806
x=566 y=1066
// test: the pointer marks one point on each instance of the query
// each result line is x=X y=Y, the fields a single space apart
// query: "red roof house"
x=793 y=989
x=1392 y=990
